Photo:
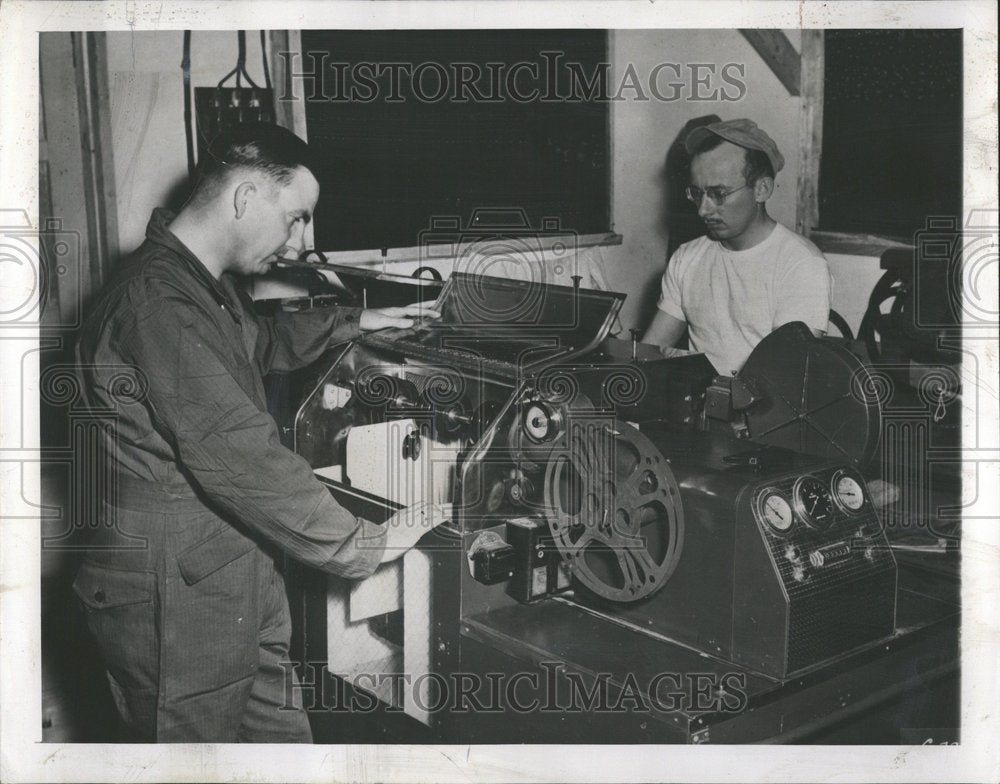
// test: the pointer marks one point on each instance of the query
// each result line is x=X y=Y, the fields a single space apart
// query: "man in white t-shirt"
x=749 y=275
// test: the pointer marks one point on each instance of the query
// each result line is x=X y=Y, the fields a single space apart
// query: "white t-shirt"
x=732 y=299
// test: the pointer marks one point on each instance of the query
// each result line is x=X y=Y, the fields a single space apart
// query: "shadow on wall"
x=76 y=701
x=179 y=194
x=680 y=218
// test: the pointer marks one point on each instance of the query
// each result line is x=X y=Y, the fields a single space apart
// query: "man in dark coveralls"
x=181 y=585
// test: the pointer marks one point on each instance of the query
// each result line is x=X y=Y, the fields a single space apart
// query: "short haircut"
x=268 y=149
x=756 y=164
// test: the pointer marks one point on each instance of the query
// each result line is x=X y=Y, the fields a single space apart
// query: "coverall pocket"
x=212 y=553
x=121 y=614
x=211 y=612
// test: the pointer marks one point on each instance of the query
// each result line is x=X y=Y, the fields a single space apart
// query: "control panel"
x=820 y=527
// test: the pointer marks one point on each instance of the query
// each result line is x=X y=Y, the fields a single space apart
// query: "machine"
x=621 y=520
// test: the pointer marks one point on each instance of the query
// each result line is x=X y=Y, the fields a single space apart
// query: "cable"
x=263 y=55
x=241 y=61
x=223 y=80
x=186 y=71
x=240 y=70
x=241 y=56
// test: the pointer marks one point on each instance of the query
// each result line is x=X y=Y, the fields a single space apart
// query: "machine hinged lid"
x=506 y=325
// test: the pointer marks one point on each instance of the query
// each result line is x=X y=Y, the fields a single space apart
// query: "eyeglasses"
x=717 y=196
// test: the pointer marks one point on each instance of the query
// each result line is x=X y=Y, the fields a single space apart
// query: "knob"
x=790 y=553
x=798 y=574
x=411 y=446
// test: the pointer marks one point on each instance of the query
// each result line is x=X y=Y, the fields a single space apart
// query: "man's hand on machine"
x=405 y=528
x=400 y=318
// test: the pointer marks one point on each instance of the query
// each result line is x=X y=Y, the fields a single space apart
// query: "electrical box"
x=220 y=109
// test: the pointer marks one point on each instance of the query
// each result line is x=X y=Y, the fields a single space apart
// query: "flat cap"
x=743 y=133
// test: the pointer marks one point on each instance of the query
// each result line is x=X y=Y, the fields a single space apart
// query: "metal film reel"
x=614 y=509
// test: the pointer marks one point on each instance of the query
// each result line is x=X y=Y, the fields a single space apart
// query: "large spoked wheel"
x=614 y=509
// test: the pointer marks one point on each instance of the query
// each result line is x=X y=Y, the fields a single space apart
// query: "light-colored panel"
x=354 y=651
x=854 y=277
x=370 y=662
x=417 y=585
x=376 y=463
x=380 y=594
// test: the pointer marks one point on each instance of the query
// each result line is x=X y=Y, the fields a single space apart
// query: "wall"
x=854 y=277
x=147 y=113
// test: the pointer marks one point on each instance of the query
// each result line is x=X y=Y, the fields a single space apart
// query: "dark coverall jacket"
x=180 y=577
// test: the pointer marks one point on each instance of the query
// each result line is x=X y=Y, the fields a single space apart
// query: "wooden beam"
x=289 y=92
x=64 y=168
x=104 y=164
x=99 y=194
x=810 y=132
x=277 y=41
x=777 y=51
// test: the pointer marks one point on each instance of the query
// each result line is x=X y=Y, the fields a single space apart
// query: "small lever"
x=635 y=343
x=753 y=460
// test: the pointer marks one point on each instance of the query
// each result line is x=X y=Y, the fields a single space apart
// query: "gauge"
x=540 y=422
x=775 y=510
x=847 y=492
x=813 y=501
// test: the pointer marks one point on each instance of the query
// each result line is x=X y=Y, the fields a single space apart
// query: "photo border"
x=25 y=758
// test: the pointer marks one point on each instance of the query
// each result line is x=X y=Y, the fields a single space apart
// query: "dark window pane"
x=892 y=130
x=392 y=165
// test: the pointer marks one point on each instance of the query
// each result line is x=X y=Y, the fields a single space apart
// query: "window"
x=892 y=130
x=404 y=140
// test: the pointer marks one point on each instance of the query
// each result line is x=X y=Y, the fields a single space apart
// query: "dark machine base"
x=903 y=691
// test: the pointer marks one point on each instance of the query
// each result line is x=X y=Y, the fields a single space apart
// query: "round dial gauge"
x=775 y=510
x=848 y=492
x=813 y=501
x=540 y=422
